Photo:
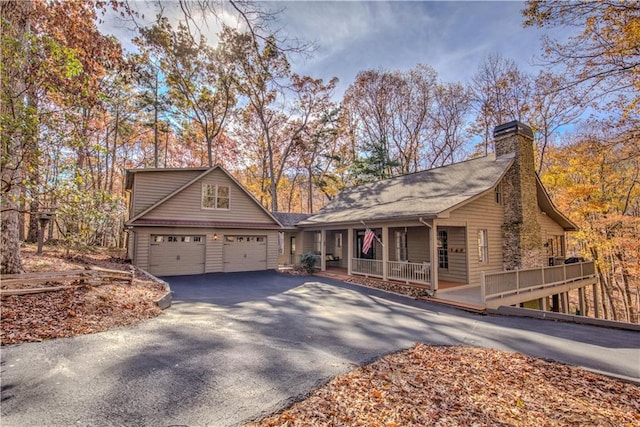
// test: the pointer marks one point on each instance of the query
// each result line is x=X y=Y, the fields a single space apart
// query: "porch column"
x=385 y=252
x=349 y=250
x=581 y=301
x=433 y=240
x=323 y=250
x=564 y=302
x=596 y=308
x=542 y=303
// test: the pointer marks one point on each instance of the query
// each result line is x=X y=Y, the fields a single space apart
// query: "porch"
x=397 y=252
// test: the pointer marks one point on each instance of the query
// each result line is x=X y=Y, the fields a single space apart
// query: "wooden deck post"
x=581 y=301
x=596 y=308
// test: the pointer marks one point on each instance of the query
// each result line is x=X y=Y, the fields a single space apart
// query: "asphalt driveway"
x=237 y=346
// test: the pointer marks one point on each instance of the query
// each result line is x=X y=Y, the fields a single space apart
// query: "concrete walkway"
x=238 y=346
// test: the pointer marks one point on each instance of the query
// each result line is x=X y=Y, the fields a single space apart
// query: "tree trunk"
x=155 y=122
x=116 y=130
x=626 y=292
x=14 y=24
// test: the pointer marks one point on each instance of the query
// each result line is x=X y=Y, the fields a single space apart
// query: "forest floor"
x=82 y=310
x=447 y=386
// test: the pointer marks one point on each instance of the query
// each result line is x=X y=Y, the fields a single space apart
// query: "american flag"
x=368 y=241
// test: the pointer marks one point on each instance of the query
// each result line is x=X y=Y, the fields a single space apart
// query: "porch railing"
x=396 y=270
x=505 y=283
x=367 y=267
x=409 y=271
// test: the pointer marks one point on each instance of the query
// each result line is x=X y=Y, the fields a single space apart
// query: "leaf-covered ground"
x=465 y=386
x=81 y=310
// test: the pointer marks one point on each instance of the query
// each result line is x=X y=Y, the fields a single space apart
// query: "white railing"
x=368 y=267
x=513 y=282
x=409 y=271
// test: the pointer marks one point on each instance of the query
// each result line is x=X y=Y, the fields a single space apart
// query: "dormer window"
x=215 y=196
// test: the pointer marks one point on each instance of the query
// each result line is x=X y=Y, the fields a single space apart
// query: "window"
x=401 y=245
x=215 y=196
x=498 y=191
x=556 y=246
x=443 y=249
x=172 y=238
x=197 y=239
x=339 y=240
x=317 y=242
x=158 y=239
x=185 y=239
x=483 y=246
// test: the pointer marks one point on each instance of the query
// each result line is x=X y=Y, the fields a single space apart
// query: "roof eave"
x=547 y=206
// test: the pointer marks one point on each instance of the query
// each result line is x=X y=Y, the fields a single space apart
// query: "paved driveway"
x=236 y=346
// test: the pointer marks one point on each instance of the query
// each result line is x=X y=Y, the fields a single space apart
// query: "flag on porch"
x=368 y=241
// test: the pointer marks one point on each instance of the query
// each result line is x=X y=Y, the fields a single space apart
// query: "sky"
x=352 y=36
x=453 y=37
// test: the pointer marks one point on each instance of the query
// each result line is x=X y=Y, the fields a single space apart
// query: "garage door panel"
x=172 y=255
x=245 y=253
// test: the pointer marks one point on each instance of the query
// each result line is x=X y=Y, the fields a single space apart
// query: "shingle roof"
x=288 y=219
x=425 y=193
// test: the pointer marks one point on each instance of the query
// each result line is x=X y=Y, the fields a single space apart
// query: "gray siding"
x=151 y=187
x=549 y=227
x=187 y=205
x=482 y=213
x=417 y=243
x=457 y=251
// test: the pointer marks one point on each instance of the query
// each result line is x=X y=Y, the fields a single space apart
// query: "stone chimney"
x=521 y=235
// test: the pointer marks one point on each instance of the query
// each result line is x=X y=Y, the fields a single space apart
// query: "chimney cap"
x=512 y=128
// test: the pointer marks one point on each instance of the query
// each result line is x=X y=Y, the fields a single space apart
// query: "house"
x=457 y=226
x=473 y=223
x=197 y=220
x=485 y=214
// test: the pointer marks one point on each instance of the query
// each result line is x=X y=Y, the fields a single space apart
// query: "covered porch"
x=408 y=252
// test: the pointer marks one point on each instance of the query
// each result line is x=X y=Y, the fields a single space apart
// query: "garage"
x=245 y=253
x=172 y=255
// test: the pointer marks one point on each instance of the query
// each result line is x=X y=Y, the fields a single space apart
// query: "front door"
x=371 y=254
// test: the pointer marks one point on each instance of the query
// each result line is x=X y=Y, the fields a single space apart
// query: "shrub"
x=308 y=261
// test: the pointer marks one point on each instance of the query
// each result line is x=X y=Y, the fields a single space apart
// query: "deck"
x=499 y=288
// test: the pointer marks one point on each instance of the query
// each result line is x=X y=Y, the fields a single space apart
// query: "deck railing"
x=396 y=270
x=367 y=267
x=409 y=271
x=512 y=282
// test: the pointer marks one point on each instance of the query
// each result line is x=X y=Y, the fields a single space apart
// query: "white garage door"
x=174 y=255
x=245 y=253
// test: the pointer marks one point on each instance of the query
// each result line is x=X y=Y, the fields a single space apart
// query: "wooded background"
x=77 y=111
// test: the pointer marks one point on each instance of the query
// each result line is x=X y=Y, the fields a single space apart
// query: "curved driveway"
x=237 y=346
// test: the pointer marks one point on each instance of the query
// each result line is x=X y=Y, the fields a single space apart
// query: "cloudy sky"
x=352 y=36
x=453 y=37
